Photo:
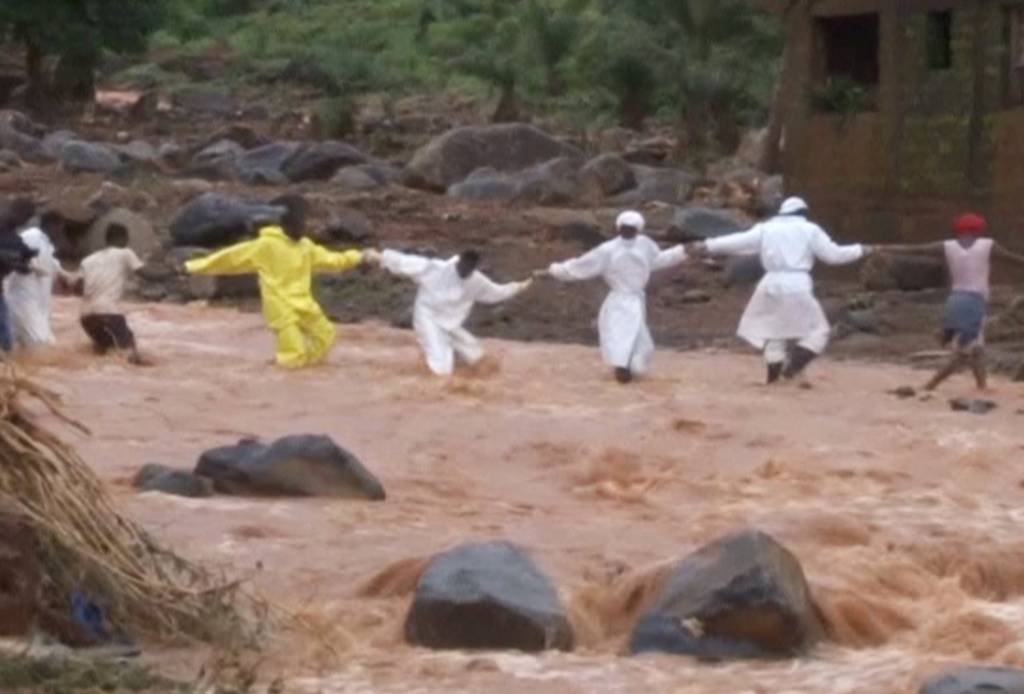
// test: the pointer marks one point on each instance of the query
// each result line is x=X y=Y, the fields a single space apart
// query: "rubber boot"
x=775 y=371
x=623 y=375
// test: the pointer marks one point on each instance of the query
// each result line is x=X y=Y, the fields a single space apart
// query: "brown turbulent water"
x=906 y=516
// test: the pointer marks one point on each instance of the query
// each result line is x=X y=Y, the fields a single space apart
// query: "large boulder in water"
x=702 y=223
x=977 y=680
x=160 y=478
x=744 y=595
x=321 y=160
x=304 y=465
x=212 y=219
x=451 y=157
x=487 y=596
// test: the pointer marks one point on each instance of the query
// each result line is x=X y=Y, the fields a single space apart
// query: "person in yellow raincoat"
x=285 y=261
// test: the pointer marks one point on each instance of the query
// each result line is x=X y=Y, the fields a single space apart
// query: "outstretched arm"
x=487 y=291
x=405 y=264
x=585 y=267
x=828 y=251
x=233 y=260
x=669 y=258
x=332 y=261
x=1003 y=253
x=934 y=248
x=743 y=243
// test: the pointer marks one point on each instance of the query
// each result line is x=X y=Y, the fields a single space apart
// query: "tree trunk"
x=555 y=83
x=35 y=91
x=508 y=106
x=633 y=110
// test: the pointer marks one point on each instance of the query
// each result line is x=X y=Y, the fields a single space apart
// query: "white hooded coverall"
x=626 y=266
x=783 y=306
x=29 y=296
x=443 y=303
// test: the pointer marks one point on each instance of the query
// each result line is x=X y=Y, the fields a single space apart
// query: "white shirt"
x=105 y=274
x=444 y=297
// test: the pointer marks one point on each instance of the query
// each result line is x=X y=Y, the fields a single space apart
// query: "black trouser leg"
x=798 y=361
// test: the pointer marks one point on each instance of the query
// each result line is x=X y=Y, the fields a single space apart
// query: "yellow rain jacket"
x=285 y=268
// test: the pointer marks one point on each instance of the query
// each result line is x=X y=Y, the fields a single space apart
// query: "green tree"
x=553 y=34
x=76 y=31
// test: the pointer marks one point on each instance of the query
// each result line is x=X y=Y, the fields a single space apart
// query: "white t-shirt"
x=105 y=274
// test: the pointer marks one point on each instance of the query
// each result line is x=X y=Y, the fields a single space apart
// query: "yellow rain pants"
x=285 y=268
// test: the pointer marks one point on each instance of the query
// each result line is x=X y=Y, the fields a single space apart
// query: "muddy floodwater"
x=906 y=516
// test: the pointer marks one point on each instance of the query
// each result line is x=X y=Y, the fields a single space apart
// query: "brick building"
x=931 y=120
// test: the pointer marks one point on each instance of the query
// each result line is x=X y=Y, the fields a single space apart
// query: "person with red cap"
x=969 y=259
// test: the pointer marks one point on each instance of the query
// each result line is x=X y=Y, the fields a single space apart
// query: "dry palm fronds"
x=86 y=545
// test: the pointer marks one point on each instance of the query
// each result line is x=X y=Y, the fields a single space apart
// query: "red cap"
x=969 y=224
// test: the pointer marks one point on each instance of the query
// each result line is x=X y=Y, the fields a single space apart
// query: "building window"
x=848 y=48
x=940 y=40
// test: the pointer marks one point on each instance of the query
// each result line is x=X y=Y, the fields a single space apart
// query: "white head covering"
x=630 y=218
x=792 y=206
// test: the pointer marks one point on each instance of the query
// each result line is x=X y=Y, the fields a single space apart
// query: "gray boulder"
x=265 y=165
x=364 y=177
x=160 y=478
x=453 y=156
x=977 y=680
x=172 y=154
x=657 y=184
x=78 y=156
x=744 y=595
x=212 y=220
x=346 y=225
x=485 y=185
x=487 y=596
x=9 y=160
x=702 y=223
x=291 y=466
x=551 y=183
x=320 y=161
x=21 y=135
x=218 y=161
x=137 y=152
x=606 y=175
x=52 y=142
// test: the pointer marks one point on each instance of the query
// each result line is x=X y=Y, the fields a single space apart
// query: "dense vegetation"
x=708 y=64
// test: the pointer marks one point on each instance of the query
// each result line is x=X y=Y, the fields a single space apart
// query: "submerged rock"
x=303 y=465
x=160 y=478
x=487 y=596
x=742 y=596
x=977 y=680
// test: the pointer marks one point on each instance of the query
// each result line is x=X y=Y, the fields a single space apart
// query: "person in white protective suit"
x=783 y=309
x=626 y=264
x=447 y=291
x=29 y=295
